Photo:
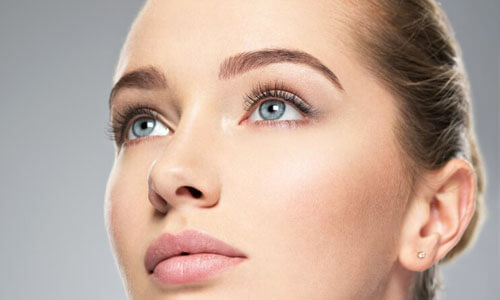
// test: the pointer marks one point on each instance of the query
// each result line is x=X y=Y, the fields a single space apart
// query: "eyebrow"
x=151 y=78
x=147 y=77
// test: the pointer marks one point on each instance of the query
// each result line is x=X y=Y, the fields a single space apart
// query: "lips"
x=184 y=243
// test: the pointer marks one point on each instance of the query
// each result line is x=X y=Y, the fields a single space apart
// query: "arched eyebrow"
x=150 y=77
x=246 y=61
x=146 y=78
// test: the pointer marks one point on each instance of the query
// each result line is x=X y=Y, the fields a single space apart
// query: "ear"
x=437 y=214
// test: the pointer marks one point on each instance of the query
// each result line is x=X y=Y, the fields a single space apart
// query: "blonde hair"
x=409 y=45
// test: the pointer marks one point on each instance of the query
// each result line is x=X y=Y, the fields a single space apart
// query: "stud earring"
x=421 y=254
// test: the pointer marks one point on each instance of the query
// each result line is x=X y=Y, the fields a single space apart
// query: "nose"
x=184 y=174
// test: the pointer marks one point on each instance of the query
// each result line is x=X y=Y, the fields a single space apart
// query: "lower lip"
x=193 y=267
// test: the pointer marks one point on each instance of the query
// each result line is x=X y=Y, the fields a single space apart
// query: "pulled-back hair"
x=409 y=45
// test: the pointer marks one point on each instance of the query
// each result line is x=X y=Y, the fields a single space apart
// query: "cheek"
x=346 y=184
x=326 y=191
x=330 y=198
x=127 y=209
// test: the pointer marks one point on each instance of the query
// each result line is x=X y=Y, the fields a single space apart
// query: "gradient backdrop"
x=56 y=62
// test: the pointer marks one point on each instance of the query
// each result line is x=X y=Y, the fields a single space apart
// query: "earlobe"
x=438 y=214
x=418 y=247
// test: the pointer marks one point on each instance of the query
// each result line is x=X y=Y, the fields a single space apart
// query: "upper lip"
x=190 y=241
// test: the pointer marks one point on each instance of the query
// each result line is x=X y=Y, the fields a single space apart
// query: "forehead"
x=197 y=35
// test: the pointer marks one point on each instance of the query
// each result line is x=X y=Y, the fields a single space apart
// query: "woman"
x=290 y=150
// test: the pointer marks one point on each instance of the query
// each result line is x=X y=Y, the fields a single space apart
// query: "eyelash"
x=117 y=129
x=278 y=89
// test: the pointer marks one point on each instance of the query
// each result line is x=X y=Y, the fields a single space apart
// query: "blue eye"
x=146 y=126
x=275 y=109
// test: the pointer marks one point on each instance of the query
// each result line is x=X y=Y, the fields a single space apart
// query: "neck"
x=399 y=283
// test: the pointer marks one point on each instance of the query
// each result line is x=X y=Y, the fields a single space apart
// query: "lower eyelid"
x=290 y=124
x=136 y=141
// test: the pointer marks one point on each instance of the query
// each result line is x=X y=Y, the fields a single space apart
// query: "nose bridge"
x=198 y=123
x=195 y=141
x=186 y=171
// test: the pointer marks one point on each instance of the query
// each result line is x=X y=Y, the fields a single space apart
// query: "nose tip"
x=179 y=186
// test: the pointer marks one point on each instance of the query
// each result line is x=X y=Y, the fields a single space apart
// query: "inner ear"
x=434 y=224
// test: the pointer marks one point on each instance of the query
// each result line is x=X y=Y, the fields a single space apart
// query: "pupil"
x=271 y=110
x=143 y=127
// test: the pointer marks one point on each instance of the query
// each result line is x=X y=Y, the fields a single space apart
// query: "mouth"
x=189 y=256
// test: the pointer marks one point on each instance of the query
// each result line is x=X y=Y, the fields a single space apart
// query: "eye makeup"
x=278 y=90
x=117 y=128
x=273 y=90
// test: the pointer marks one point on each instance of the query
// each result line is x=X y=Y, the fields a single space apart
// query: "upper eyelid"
x=133 y=114
x=295 y=100
x=276 y=85
x=266 y=94
x=151 y=114
x=154 y=115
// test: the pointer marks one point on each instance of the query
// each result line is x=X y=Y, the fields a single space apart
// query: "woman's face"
x=312 y=195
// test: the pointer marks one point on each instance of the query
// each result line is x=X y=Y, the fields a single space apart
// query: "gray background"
x=56 y=64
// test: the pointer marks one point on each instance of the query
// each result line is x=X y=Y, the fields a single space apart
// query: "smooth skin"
x=320 y=208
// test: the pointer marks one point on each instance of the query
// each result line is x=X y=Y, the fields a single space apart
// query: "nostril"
x=195 y=192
